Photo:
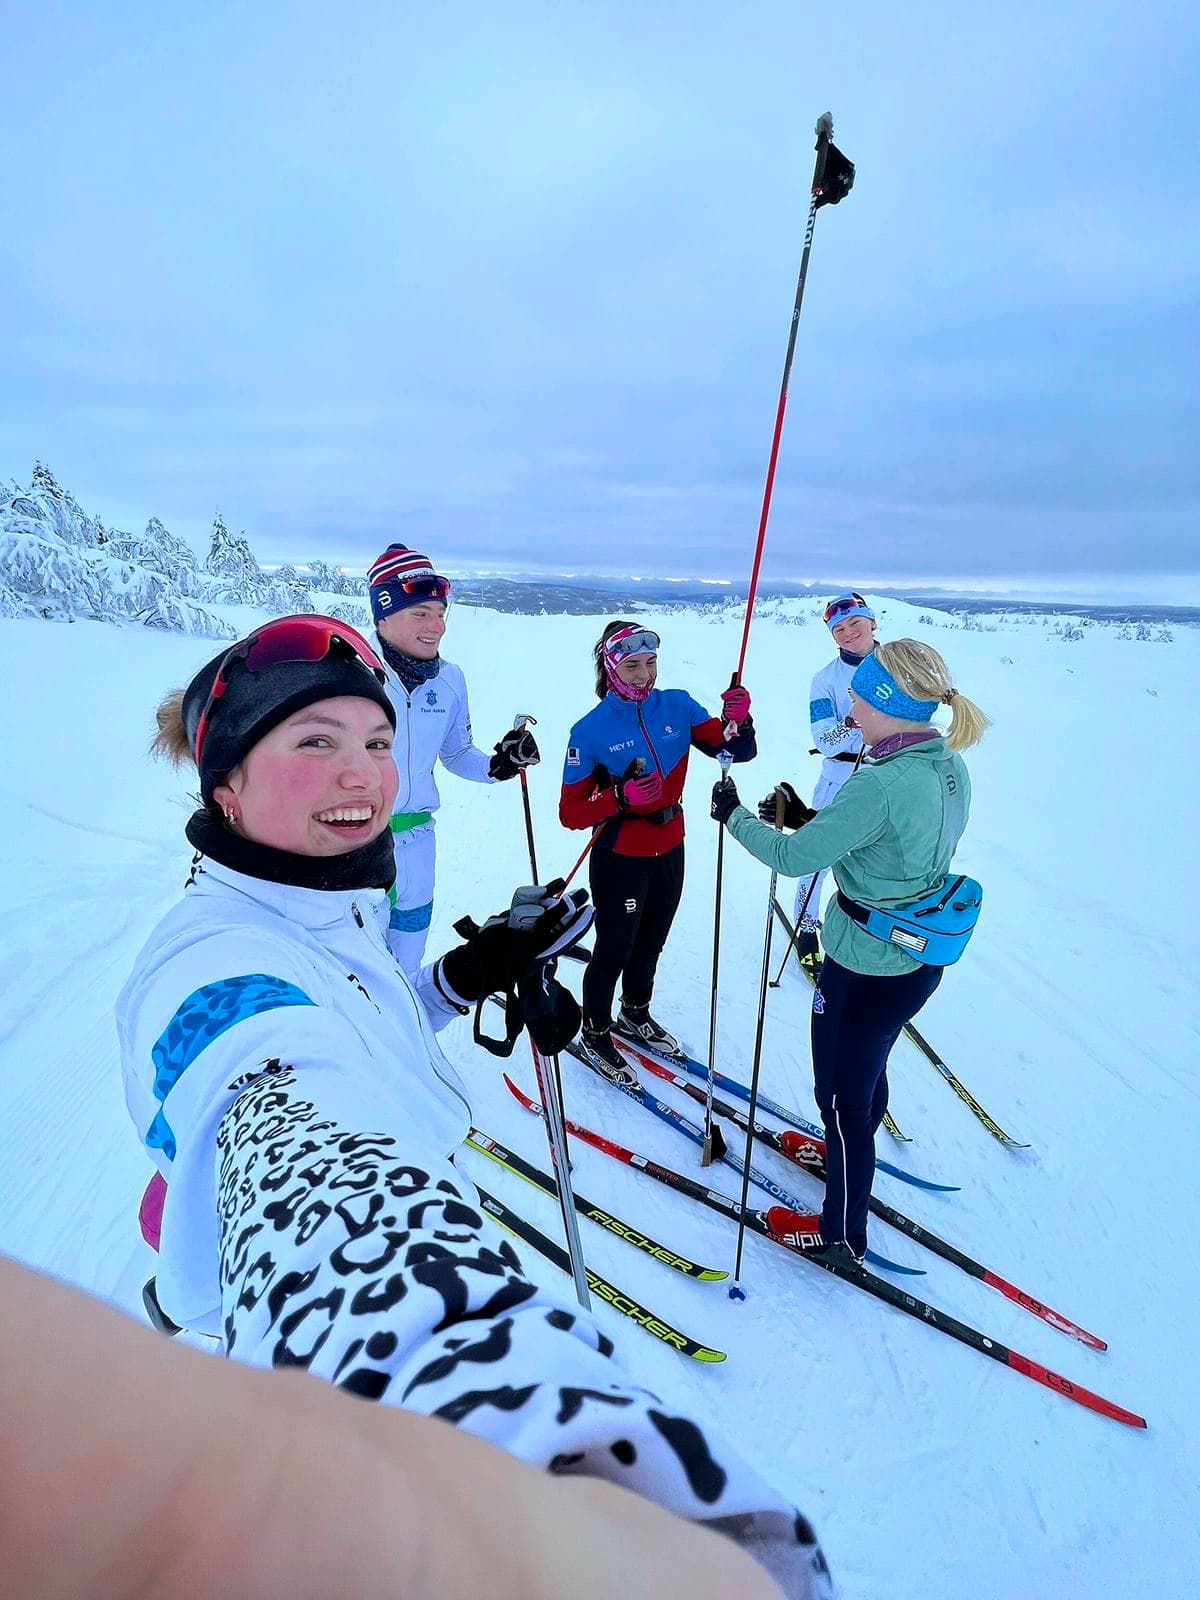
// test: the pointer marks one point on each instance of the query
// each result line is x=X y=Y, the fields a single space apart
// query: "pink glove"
x=735 y=704
x=643 y=791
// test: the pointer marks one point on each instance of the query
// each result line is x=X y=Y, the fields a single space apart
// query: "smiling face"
x=417 y=630
x=638 y=671
x=856 y=634
x=319 y=784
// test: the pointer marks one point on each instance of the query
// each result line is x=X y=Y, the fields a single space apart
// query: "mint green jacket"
x=889 y=834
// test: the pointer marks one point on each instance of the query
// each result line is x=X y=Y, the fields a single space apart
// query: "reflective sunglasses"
x=631 y=642
x=425 y=586
x=848 y=603
x=290 y=639
x=431 y=587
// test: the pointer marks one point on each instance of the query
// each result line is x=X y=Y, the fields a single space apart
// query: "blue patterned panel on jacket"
x=205 y=1015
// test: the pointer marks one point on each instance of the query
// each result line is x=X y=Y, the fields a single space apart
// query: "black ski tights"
x=636 y=898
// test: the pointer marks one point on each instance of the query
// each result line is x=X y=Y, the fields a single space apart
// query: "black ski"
x=892 y=1294
x=648 y=1245
x=625 y=1304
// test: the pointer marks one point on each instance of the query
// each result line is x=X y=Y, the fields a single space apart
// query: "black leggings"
x=856 y=1019
x=636 y=898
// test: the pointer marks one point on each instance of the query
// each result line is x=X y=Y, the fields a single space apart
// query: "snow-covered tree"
x=286 y=598
x=58 y=563
x=357 y=616
x=159 y=550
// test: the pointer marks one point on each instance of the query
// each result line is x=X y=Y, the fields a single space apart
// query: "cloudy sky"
x=513 y=283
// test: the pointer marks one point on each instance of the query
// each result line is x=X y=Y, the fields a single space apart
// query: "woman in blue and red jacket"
x=626 y=762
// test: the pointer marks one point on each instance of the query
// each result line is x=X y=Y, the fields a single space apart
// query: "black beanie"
x=255 y=702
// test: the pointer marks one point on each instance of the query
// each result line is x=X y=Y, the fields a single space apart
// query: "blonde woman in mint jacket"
x=889 y=835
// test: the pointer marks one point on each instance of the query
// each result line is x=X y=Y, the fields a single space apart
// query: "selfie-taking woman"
x=285 y=1075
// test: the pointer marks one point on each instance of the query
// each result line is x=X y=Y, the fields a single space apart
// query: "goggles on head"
x=845 y=605
x=290 y=639
x=631 y=642
x=429 y=586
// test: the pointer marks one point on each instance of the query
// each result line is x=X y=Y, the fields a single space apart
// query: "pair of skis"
x=775 y=1225
x=810 y=1155
x=693 y=1132
x=629 y=1307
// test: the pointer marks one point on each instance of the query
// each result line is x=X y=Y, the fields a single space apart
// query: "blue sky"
x=512 y=283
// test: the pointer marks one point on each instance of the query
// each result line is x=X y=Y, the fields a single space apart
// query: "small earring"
x=230 y=817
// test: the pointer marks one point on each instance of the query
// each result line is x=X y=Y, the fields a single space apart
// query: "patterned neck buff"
x=408 y=669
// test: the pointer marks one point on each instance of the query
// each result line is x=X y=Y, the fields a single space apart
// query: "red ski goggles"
x=432 y=588
x=290 y=639
x=428 y=585
x=845 y=605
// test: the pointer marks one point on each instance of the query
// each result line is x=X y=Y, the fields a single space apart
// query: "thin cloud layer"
x=516 y=282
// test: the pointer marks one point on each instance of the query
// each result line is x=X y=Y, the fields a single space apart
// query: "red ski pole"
x=833 y=177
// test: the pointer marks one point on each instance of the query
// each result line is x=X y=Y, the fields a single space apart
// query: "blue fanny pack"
x=933 y=930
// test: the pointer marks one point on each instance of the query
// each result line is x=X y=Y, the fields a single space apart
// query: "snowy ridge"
x=929 y=1471
x=59 y=563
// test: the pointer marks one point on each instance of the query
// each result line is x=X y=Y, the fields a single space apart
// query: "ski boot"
x=807 y=947
x=803 y=1230
x=598 y=1046
x=636 y=1023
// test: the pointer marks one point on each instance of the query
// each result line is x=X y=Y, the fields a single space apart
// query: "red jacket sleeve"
x=583 y=804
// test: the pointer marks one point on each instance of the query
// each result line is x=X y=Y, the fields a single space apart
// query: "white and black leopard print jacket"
x=286 y=1077
x=243 y=972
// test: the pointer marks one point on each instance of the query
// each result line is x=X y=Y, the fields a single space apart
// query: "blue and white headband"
x=873 y=683
x=845 y=606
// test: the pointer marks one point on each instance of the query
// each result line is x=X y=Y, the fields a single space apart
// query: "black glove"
x=795 y=812
x=725 y=800
x=550 y=1012
x=517 y=749
x=536 y=926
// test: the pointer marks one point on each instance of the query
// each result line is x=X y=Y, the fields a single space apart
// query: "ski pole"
x=583 y=855
x=794 y=933
x=833 y=177
x=550 y=1094
x=519 y=722
x=736 y=1292
x=713 y=1147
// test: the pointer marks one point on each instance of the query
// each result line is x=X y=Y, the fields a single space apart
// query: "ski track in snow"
x=929 y=1470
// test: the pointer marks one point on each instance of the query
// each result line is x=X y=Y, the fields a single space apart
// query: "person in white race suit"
x=284 y=1074
x=433 y=723
x=852 y=623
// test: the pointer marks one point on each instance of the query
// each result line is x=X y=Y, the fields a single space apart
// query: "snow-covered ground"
x=930 y=1471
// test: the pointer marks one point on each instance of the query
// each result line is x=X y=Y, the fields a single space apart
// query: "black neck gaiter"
x=408 y=669
x=370 y=866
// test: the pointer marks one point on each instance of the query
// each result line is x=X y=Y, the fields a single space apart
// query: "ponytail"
x=922 y=673
x=171 y=741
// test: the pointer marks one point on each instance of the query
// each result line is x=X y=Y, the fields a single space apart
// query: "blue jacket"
x=661 y=731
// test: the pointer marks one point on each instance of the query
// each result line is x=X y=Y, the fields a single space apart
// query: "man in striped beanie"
x=433 y=722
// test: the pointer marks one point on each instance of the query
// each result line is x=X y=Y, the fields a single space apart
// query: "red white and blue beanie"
x=400 y=578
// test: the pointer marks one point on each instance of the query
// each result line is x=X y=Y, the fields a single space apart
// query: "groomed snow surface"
x=929 y=1470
